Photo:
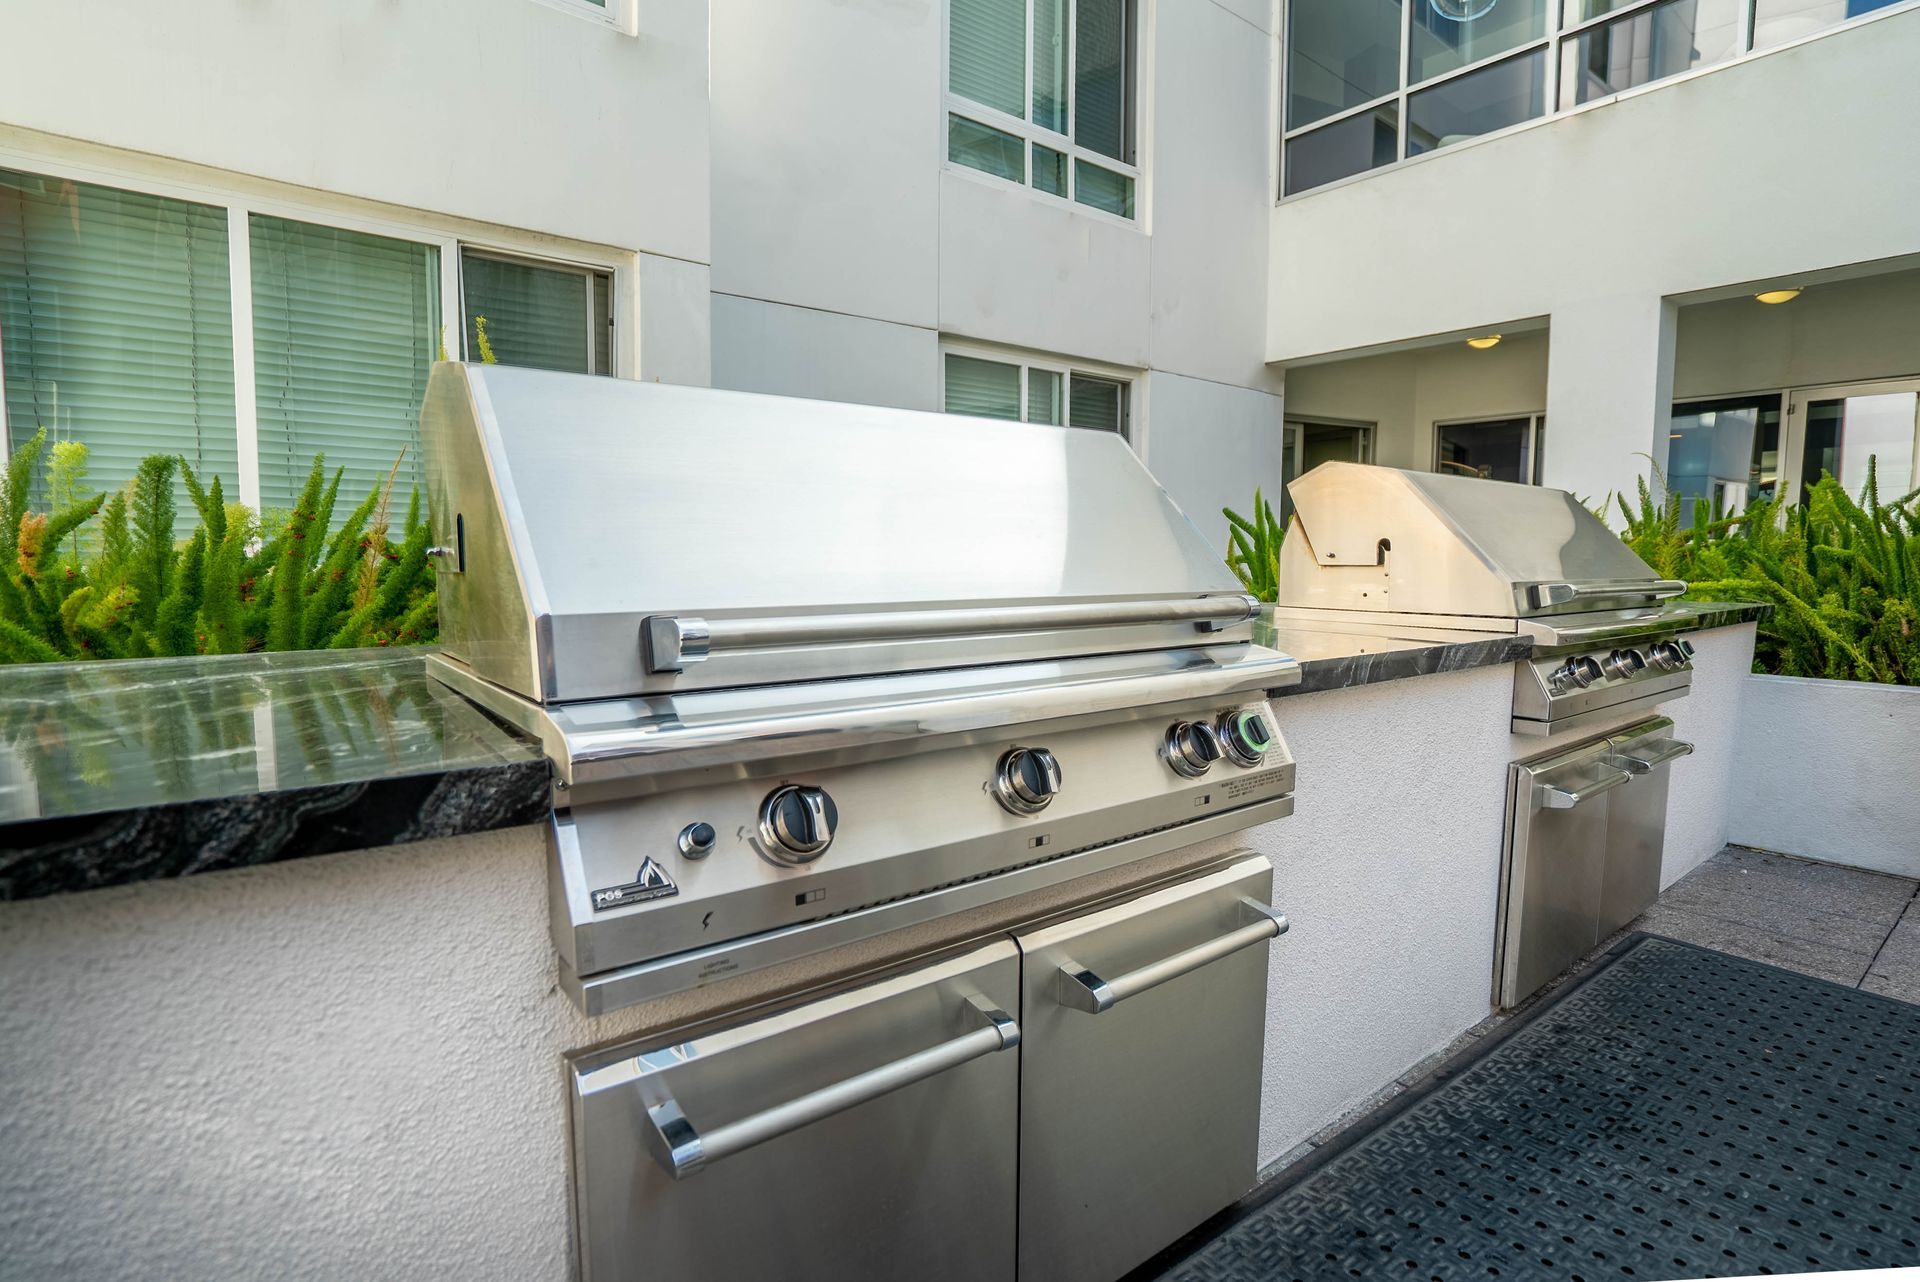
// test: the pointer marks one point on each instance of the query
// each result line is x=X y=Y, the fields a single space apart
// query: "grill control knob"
x=1623 y=664
x=1686 y=648
x=1579 y=673
x=1246 y=736
x=1191 y=748
x=797 y=823
x=1667 y=657
x=1026 y=780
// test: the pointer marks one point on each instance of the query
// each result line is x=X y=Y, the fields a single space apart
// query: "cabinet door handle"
x=1650 y=756
x=682 y=1149
x=1083 y=990
x=1554 y=797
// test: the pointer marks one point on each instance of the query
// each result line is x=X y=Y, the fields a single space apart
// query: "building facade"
x=1251 y=235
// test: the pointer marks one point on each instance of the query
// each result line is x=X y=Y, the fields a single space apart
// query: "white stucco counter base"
x=350 y=1066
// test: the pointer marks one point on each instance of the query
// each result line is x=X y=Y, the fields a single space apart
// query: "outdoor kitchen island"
x=350 y=1064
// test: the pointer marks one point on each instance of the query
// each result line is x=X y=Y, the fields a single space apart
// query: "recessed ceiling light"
x=1778 y=295
x=1485 y=341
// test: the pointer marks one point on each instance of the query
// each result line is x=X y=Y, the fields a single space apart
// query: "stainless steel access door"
x=869 y=1134
x=1140 y=1070
x=1586 y=829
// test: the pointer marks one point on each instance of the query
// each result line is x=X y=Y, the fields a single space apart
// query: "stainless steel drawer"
x=1140 y=1070
x=871 y=1133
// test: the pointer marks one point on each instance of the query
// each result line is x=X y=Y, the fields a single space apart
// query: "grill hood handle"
x=1542 y=595
x=673 y=641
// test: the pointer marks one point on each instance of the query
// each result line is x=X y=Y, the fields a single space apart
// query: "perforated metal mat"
x=1676 y=1113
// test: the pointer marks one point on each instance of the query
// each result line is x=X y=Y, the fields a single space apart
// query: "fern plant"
x=104 y=577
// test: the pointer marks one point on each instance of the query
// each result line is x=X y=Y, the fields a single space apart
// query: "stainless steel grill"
x=1419 y=553
x=810 y=672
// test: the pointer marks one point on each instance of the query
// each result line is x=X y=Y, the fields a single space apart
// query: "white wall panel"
x=795 y=351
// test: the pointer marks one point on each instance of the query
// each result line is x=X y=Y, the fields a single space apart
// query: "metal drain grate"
x=1678 y=1113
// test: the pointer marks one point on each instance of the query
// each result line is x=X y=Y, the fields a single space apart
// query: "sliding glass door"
x=1837 y=429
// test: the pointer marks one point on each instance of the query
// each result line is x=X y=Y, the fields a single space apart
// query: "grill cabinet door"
x=1140 y=1119
x=907 y=1170
x=1637 y=821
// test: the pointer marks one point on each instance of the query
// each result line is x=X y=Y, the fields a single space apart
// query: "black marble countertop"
x=120 y=772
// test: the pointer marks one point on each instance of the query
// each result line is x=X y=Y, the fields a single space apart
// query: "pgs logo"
x=651 y=882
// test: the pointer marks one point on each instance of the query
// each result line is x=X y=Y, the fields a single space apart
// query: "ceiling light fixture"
x=1462 y=10
x=1778 y=295
x=1485 y=341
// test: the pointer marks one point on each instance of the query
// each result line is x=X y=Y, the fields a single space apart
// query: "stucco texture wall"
x=1830 y=770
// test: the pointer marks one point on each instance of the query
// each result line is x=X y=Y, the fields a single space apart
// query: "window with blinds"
x=345 y=326
x=1035 y=84
x=539 y=315
x=1034 y=393
x=115 y=325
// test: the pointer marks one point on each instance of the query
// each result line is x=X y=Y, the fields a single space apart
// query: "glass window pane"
x=1099 y=403
x=116 y=327
x=1100 y=77
x=1340 y=53
x=1842 y=434
x=1102 y=189
x=1339 y=150
x=1477 y=103
x=1651 y=45
x=1050 y=64
x=1049 y=170
x=1778 y=21
x=1449 y=34
x=1713 y=445
x=345 y=326
x=1044 y=396
x=987 y=53
x=1574 y=12
x=1495 y=450
x=602 y=323
x=991 y=151
x=535 y=316
x=988 y=389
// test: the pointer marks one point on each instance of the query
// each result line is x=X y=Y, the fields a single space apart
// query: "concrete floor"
x=1861 y=929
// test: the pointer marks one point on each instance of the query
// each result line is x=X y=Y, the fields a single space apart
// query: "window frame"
x=622 y=15
x=549 y=264
x=1536 y=431
x=1130 y=380
x=1031 y=134
x=1558 y=37
x=241 y=199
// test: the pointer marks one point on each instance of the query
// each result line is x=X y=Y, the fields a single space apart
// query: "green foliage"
x=1842 y=574
x=123 y=586
x=1254 y=553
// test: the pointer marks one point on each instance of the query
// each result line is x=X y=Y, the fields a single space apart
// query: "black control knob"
x=1623 y=664
x=1667 y=656
x=797 y=823
x=1246 y=736
x=1579 y=673
x=1026 y=780
x=1191 y=748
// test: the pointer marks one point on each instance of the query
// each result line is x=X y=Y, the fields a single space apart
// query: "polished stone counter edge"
x=1348 y=671
x=40 y=857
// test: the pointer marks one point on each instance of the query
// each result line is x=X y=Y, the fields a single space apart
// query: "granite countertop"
x=120 y=772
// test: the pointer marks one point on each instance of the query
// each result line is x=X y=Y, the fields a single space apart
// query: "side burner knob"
x=1246 y=736
x=797 y=823
x=1026 y=780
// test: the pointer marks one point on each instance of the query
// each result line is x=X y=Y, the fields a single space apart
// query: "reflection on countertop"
x=1341 y=656
x=168 y=766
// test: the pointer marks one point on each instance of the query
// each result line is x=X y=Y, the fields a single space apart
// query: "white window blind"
x=988 y=389
x=545 y=317
x=115 y=325
x=1057 y=396
x=987 y=53
x=345 y=326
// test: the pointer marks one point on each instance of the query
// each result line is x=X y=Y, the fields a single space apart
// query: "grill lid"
x=1380 y=539
x=600 y=538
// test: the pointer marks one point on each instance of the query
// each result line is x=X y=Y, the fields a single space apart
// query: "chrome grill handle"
x=1543 y=595
x=1085 y=991
x=682 y=1150
x=1554 y=797
x=670 y=642
x=1651 y=756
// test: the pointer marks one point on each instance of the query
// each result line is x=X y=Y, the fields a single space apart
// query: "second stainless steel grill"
x=1419 y=552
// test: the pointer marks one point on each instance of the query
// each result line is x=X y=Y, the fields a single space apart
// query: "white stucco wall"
x=1635 y=198
x=1830 y=770
x=506 y=111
